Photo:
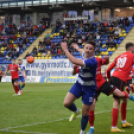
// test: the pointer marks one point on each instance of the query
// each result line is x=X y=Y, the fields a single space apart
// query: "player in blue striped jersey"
x=21 y=78
x=85 y=85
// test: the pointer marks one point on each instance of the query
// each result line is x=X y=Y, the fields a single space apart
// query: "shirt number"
x=121 y=62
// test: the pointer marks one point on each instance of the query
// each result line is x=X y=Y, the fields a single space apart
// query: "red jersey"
x=14 y=70
x=123 y=65
x=100 y=80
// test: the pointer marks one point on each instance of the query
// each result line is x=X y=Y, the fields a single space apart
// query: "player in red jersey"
x=15 y=75
x=123 y=65
x=102 y=86
x=129 y=85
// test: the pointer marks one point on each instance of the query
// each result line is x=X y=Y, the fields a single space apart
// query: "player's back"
x=123 y=65
x=100 y=80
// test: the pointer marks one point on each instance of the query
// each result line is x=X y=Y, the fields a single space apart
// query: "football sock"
x=123 y=111
x=19 y=87
x=22 y=86
x=72 y=107
x=91 y=118
x=132 y=88
x=115 y=116
x=127 y=89
x=16 y=88
x=84 y=122
x=125 y=93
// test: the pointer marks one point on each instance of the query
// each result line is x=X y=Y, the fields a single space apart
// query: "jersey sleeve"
x=89 y=62
x=112 y=65
x=104 y=62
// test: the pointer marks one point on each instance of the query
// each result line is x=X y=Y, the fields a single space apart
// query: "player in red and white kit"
x=129 y=84
x=102 y=86
x=15 y=75
x=123 y=65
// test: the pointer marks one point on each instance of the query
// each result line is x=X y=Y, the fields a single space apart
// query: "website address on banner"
x=48 y=64
x=50 y=73
x=59 y=79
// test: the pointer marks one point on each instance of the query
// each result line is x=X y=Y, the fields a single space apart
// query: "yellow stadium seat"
x=102 y=53
x=123 y=31
x=46 y=57
x=113 y=49
x=106 y=53
x=61 y=30
x=117 y=45
x=12 y=41
x=109 y=49
x=39 y=57
x=49 y=57
x=18 y=35
x=51 y=36
x=35 y=58
x=2 y=49
x=58 y=34
x=104 y=45
x=120 y=35
x=2 y=52
x=124 y=35
x=42 y=57
x=39 y=54
x=54 y=34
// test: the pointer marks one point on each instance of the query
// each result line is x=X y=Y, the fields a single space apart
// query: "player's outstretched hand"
x=75 y=66
x=75 y=45
x=64 y=46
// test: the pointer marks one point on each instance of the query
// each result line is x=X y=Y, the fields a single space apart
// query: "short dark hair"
x=128 y=45
x=91 y=42
x=20 y=60
x=13 y=59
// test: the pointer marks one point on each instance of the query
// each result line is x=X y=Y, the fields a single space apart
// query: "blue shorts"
x=87 y=94
x=21 y=79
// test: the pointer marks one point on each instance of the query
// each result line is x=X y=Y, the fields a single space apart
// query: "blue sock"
x=72 y=107
x=19 y=87
x=22 y=86
x=84 y=122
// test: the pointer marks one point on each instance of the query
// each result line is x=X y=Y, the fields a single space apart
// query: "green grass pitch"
x=40 y=110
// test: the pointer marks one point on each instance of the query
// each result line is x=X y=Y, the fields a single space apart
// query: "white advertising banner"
x=49 y=68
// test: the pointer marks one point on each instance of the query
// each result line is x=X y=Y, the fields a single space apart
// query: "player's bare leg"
x=91 y=117
x=69 y=103
x=115 y=115
x=122 y=94
x=85 y=117
x=124 y=123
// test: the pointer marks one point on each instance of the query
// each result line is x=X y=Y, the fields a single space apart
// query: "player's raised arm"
x=105 y=60
x=77 y=48
x=70 y=57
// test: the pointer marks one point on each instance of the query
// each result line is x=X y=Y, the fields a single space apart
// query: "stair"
x=35 y=43
x=121 y=48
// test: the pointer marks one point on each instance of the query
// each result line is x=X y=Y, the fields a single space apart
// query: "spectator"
x=59 y=51
x=133 y=17
x=48 y=54
x=34 y=51
x=1 y=74
x=110 y=42
x=41 y=49
x=28 y=54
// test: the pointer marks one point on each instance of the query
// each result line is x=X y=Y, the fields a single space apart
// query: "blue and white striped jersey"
x=22 y=68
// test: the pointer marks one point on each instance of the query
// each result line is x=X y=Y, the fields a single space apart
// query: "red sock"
x=125 y=93
x=123 y=111
x=16 y=88
x=91 y=118
x=132 y=88
x=115 y=116
x=127 y=89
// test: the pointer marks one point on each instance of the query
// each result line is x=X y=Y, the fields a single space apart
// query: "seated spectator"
x=34 y=51
x=48 y=54
x=41 y=49
x=127 y=23
x=98 y=36
x=110 y=42
x=59 y=51
x=116 y=34
x=97 y=51
x=28 y=54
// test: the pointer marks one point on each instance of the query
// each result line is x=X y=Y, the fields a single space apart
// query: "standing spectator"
x=133 y=17
x=6 y=20
x=1 y=73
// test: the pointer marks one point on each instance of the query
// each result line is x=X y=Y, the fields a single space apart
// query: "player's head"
x=19 y=61
x=13 y=61
x=89 y=49
x=130 y=47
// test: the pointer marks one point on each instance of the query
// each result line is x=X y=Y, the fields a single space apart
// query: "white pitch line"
x=37 y=123
x=36 y=90
x=26 y=132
